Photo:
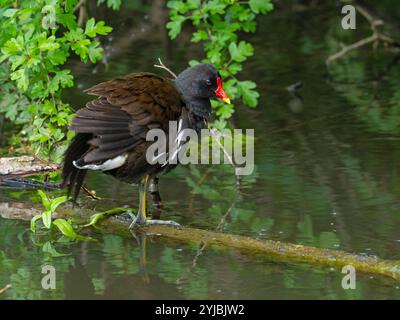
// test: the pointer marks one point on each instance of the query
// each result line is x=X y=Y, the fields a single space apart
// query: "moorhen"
x=111 y=130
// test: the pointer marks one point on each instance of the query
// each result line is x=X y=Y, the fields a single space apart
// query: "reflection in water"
x=296 y=103
x=326 y=175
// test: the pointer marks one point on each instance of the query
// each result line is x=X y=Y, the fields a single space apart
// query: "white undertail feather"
x=105 y=166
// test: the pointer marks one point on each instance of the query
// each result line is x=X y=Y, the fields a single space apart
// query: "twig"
x=226 y=153
x=80 y=3
x=5 y=288
x=83 y=15
x=218 y=228
x=90 y=193
x=163 y=66
x=351 y=47
x=210 y=36
x=373 y=21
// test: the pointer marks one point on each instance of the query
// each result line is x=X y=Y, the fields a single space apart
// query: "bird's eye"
x=208 y=82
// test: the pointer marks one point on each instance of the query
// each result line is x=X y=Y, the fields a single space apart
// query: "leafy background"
x=38 y=38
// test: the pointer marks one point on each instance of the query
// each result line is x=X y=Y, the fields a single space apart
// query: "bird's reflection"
x=141 y=240
x=296 y=103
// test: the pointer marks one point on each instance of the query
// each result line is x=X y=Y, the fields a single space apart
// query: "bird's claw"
x=138 y=221
x=164 y=222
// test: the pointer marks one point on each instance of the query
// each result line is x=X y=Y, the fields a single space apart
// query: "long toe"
x=137 y=221
x=164 y=222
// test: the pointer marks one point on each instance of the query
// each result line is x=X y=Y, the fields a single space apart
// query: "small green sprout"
x=50 y=206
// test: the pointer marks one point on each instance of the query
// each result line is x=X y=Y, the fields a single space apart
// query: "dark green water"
x=327 y=175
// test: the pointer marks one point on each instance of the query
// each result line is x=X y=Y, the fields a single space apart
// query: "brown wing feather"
x=145 y=96
x=119 y=119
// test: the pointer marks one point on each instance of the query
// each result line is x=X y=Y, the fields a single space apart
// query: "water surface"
x=327 y=175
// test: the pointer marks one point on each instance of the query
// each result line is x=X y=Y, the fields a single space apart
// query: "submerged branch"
x=275 y=250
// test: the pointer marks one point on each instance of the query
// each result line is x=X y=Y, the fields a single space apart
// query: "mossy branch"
x=276 y=250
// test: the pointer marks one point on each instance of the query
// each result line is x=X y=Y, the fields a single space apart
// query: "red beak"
x=220 y=92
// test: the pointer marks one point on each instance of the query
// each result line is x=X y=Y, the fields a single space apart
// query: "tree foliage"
x=218 y=24
x=37 y=37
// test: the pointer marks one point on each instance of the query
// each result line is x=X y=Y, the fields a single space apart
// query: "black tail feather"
x=73 y=177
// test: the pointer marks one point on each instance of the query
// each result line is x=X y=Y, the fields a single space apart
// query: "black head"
x=198 y=84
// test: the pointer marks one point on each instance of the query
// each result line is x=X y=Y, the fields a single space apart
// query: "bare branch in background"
x=83 y=14
x=79 y=4
x=376 y=37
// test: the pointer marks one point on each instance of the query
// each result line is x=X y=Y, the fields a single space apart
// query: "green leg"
x=141 y=217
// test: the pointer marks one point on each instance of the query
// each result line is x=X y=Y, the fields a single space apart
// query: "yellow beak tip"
x=226 y=100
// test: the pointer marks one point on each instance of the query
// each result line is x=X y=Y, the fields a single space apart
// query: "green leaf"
x=70 y=5
x=89 y=30
x=81 y=48
x=57 y=57
x=95 y=218
x=46 y=218
x=13 y=46
x=249 y=95
x=246 y=48
x=9 y=13
x=199 y=35
x=48 y=248
x=261 y=6
x=214 y=7
x=234 y=51
x=240 y=52
x=47 y=44
x=45 y=199
x=225 y=111
x=62 y=78
x=249 y=26
x=93 y=29
x=17 y=61
x=175 y=26
x=66 y=228
x=114 y=4
x=75 y=35
x=95 y=52
x=20 y=77
x=33 y=222
x=219 y=124
x=67 y=20
x=103 y=215
x=56 y=202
